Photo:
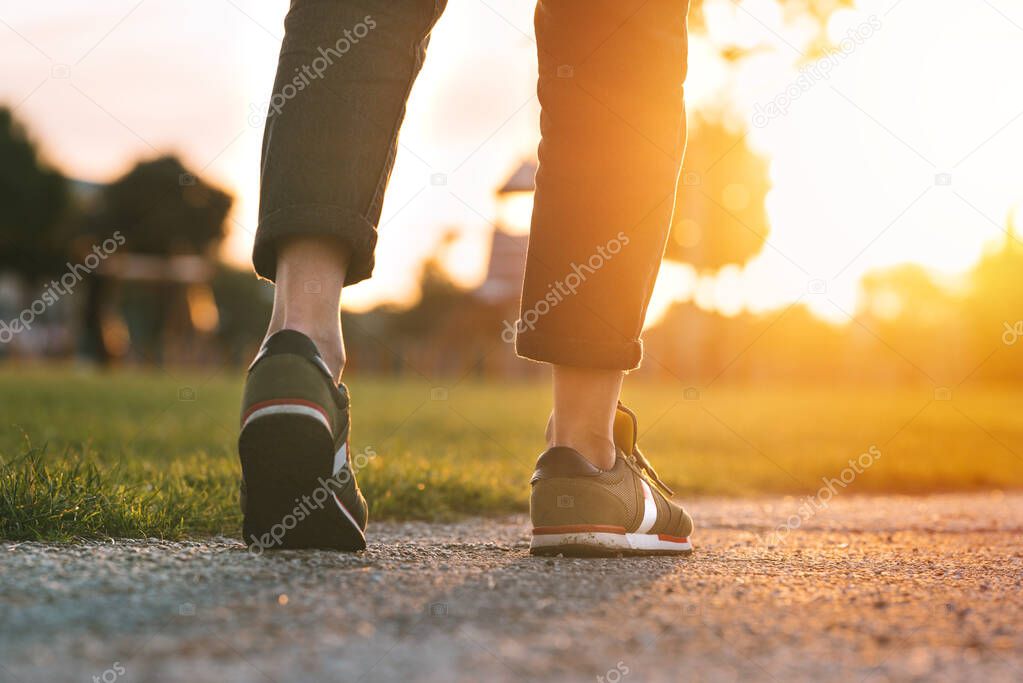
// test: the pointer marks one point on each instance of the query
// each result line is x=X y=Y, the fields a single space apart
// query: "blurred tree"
x=719 y=207
x=162 y=208
x=244 y=304
x=916 y=313
x=450 y=330
x=439 y=295
x=720 y=217
x=994 y=310
x=997 y=278
x=34 y=199
x=818 y=10
x=907 y=293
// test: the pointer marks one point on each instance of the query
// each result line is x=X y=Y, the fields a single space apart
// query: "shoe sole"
x=286 y=459
x=604 y=541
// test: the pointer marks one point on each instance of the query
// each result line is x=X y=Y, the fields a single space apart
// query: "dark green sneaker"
x=578 y=509
x=298 y=486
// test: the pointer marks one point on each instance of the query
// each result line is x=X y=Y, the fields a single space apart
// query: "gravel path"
x=870 y=589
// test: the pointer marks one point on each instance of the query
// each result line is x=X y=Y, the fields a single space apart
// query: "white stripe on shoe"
x=345 y=511
x=649 y=508
x=287 y=406
x=340 y=458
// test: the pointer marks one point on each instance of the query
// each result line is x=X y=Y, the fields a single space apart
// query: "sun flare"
x=875 y=159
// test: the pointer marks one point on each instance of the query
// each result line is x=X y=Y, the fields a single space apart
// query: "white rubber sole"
x=605 y=541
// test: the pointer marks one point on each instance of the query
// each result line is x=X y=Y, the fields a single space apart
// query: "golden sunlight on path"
x=879 y=588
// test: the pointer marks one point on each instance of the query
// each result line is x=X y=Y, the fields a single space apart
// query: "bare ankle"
x=599 y=450
x=310 y=275
x=585 y=401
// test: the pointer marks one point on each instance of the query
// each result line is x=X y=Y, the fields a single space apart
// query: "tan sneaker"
x=578 y=509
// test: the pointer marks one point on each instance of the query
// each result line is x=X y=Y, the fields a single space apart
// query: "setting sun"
x=885 y=160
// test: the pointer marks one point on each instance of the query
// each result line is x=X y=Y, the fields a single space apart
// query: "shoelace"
x=647 y=471
x=638 y=460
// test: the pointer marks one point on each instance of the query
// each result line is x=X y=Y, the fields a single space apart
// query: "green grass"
x=123 y=455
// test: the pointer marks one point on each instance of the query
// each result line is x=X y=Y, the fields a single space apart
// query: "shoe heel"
x=287 y=462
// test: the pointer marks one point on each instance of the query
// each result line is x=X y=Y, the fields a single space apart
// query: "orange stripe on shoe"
x=578 y=528
x=673 y=539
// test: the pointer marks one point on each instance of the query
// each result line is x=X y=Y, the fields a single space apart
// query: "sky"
x=903 y=147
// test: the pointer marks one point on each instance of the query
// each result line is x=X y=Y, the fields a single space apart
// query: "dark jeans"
x=613 y=135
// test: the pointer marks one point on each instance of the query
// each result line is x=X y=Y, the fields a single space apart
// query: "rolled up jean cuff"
x=580 y=353
x=350 y=229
